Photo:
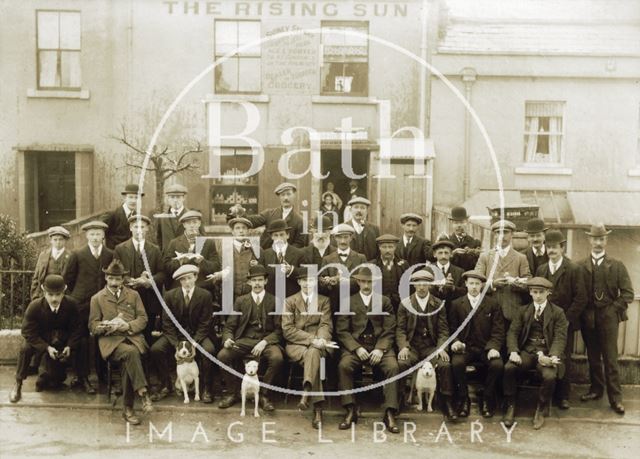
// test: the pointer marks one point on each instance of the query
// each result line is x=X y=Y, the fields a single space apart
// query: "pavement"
x=70 y=423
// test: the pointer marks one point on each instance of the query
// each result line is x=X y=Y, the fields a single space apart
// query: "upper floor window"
x=241 y=72
x=58 y=41
x=543 y=132
x=345 y=59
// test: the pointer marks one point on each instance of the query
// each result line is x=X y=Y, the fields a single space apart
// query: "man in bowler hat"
x=536 y=253
x=466 y=248
x=117 y=220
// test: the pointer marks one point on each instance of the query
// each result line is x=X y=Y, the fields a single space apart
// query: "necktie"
x=538 y=253
x=280 y=257
x=596 y=261
x=343 y=256
x=96 y=254
x=553 y=269
x=187 y=298
x=408 y=242
x=537 y=314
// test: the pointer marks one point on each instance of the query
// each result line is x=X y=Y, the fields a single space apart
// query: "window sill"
x=635 y=172
x=356 y=100
x=83 y=94
x=257 y=98
x=539 y=169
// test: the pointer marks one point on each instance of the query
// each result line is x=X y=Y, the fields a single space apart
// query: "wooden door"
x=400 y=195
x=56 y=191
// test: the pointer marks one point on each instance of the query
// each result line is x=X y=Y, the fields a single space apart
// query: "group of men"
x=330 y=298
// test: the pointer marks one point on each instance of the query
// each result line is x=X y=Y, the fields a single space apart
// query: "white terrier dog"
x=250 y=385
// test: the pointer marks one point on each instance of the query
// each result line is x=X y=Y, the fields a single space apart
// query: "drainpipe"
x=468 y=78
x=422 y=115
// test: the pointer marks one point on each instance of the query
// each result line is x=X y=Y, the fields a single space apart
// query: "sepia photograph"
x=332 y=228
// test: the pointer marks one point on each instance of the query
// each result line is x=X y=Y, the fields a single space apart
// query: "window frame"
x=561 y=134
x=59 y=53
x=346 y=23
x=237 y=56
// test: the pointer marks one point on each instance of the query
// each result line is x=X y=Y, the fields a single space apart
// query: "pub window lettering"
x=241 y=73
x=345 y=59
x=58 y=55
x=543 y=132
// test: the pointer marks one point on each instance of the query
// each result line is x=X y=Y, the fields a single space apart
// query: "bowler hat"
x=256 y=271
x=474 y=274
x=243 y=220
x=176 y=188
x=135 y=218
x=535 y=225
x=285 y=186
x=540 y=282
x=458 y=214
x=554 y=236
x=184 y=270
x=58 y=231
x=365 y=273
x=387 y=238
x=115 y=268
x=190 y=215
x=404 y=218
x=326 y=223
x=508 y=225
x=359 y=200
x=598 y=230
x=443 y=243
x=278 y=225
x=54 y=284
x=94 y=224
x=131 y=188
x=302 y=272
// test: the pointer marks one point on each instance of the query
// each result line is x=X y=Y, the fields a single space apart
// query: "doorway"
x=332 y=164
x=54 y=188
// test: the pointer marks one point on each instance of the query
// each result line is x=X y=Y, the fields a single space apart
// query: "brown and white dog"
x=187 y=370
x=250 y=385
x=425 y=384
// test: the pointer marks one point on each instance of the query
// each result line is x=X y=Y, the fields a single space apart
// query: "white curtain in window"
x=532 y=139
x=70 y=69
x=555 y=127
x=48 y=69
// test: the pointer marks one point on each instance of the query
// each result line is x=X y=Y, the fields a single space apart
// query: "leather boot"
x=464 y=408
x=130 y=416
x=303 y=404
x=389 y=420
x=538 y=418
x=147 y=406
x=16 y=392
x=510 y=412
x=351 y=416
x=266 y=404
x=449 y=412
x=317 y=418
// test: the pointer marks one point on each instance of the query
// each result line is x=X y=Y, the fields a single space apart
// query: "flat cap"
x=343 y=228
x=135 y=218
x=243 y=220
x=190 y=215
x=404 y=218
x=94 y=224
x=539 y=282
x=421 y=276
x=508 y=225
x=359 y=200
x=256 y=271
x=54 y=284
x=474 y=274
x=184 y=270
x=176 y=188
x=285 y=186
x=58 y=231
x=443 y=243
x=387 y=238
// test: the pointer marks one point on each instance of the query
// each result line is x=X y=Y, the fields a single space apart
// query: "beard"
x=320 y=244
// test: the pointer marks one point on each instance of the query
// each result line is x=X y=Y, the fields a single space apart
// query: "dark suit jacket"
x=487 y=318
x=451 y=293
x=41 y=270
x=397 y=270
x=118 y=230
x=353 y=260
x=126 y=253
x=83 y=274
x=531 y=259
x=618 y=286
x=554 y=329
x=467 y=261
x=168 y=227
x=350 y=327
x=296 y=236
x=418 y=251
x=105 y=306
x=437 y=325
x=41 y=328
x=209 y=265
x=294 y=256
x=365 y=242
x=313 y=257
x=568 y=291
x=235 y=325
x=199 y=319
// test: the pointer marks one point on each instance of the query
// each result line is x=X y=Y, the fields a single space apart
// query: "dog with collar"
x=251 y=386
x=187 y=370
x=424 y=381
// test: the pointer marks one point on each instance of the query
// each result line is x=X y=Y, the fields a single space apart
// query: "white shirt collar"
x=286 y=212
x=598 y=256
x=283 y=250
x=555 y=266
x=138 y=245
x=258 y=297
x=116 y=293
x=406 y=239
x=237 y=245
x=344 y=252
x=473 y=300
x=54 y=310
x=306 y=298
x=97 y=251
x=366 y=299
x=422 y=302
x=176 y=211
x=357 y=226
x=445 y=267
x=542 y=249
x=540 y=306
x=127 y=211
x=503 y=252
x=184 y=292
x=55 y=253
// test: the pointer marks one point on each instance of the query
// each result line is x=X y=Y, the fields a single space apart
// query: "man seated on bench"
x=479 y=343
x=536 y=340
x=254 y=334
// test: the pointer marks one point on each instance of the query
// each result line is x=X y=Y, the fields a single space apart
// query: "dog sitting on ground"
x=424 y=382
x=187 y=370
x=250 y=385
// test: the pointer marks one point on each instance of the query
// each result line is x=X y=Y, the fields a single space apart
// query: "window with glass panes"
x=345 y=58
x=543 y=132
x=241 y=72
x=58 y=54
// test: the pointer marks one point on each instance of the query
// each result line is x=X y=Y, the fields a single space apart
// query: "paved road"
x=56 y=432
